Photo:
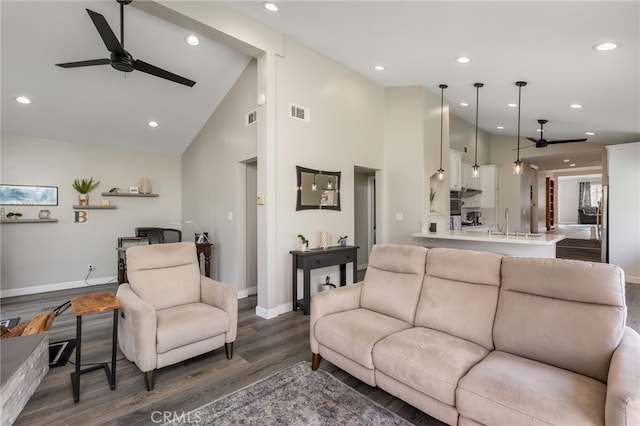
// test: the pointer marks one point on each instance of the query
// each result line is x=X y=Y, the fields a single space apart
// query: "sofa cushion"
x=511 y=390
x=427 y=360
x=354 y=333
x=186 y=324
x=164 y=275
x=393 y=280
x=460 y=294
x=566 y=313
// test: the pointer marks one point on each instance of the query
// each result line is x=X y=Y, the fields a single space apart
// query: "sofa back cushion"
x=393 y=280
x=460 y=294
x=567 y=313
x=164 y=275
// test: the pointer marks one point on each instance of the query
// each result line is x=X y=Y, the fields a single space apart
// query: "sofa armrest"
x=622 y=405
x=137 y=329
x=330 y=302
x=221 y=296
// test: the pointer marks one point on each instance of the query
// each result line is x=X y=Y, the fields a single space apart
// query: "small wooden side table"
x=91 y=304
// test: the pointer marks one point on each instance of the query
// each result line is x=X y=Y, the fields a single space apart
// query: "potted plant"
x=304 y=243
x=84 y=186
x=14 y=216
x=432 y=196
x=343 y=240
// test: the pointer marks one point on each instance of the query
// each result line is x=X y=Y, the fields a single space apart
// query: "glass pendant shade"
x=475 y=172
x=440 y=175
x=517 y=167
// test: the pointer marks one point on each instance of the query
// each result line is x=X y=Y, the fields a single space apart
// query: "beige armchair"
x=169 y=311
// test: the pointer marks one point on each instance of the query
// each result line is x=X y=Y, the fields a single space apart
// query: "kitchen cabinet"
x=490 y=185
x=455 y=168
x=468 y=181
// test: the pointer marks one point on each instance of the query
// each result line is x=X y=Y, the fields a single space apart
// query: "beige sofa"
x=476 y=338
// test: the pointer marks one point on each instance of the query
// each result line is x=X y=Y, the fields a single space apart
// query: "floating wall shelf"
x=94 y=207
x=29 y=220
x=126 y=194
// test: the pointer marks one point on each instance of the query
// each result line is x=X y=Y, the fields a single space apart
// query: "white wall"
x=52 y=256
x=214 y=176
x=624 y=208
x=346 y=129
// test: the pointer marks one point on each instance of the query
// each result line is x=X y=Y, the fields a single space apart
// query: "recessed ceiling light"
x=605 y=46
x=378 y=68
x=575 y=106
x=464 y=104
x=572 y=165
x=152 y=124
x=271 y=7
x=566 y=160
x=192 y=40
x=23 y=100
x=589 y=133
x=500 y=127
x=512 y=105
x=463 y=60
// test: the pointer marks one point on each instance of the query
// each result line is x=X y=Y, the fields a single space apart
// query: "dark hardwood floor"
x=262 y=348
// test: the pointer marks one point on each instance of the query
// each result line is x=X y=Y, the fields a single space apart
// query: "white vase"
x=323 y=239
x=145 y=186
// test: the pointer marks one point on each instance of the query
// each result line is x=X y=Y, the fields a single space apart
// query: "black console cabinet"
x=320 y=258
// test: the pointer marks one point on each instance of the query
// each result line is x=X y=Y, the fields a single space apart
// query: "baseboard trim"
x=45 y=288
x=632 y=280
x=272 y=313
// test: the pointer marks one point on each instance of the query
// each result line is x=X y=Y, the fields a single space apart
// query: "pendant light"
x=441 y=170
x=314 y=187
x=517 y=165
x=476 y=169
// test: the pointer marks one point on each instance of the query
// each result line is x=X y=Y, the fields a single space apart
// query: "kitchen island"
x=536 y=245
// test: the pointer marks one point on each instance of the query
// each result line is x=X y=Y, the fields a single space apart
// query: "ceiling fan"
x=121 y=59
x=542 y=142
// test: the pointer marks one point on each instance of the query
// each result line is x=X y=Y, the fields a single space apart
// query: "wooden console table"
x=202 y=250
x=320 y=258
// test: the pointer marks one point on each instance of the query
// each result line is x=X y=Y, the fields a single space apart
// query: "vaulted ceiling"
x=547 y=44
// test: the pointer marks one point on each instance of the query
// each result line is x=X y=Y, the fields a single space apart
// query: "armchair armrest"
x=330 y=302
x=221 y=296
x=137 y=329
x=622 y=405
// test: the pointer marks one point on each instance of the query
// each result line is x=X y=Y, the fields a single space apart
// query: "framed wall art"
x=28 y=195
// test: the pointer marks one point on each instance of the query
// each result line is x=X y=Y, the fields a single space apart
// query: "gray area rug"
x=294 y=396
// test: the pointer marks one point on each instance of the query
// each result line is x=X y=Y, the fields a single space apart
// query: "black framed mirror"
x=317 y=189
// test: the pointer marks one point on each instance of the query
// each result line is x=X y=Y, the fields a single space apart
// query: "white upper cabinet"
x=490 y=184
x=455 y=168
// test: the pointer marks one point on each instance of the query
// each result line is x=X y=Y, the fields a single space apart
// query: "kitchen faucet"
x=506 y=221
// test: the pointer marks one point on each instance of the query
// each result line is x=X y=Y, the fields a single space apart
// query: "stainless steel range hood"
x=469 y=192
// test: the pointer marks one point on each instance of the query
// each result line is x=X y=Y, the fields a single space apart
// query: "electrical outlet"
x=91 y=268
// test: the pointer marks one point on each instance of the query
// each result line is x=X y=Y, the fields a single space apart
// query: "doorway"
x=251 y=227
x=365 y=228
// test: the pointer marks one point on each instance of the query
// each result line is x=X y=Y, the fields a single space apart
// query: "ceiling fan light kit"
x=120 y=59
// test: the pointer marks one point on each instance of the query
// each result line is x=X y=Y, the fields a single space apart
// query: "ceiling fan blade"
x=108 y=37
x=159 y=72
x=568 y=141
x=533 y=140
x=85 y=63
x=523 y=147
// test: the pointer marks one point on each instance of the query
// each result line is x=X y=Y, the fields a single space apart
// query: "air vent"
x=251 y=118
x=299 y=113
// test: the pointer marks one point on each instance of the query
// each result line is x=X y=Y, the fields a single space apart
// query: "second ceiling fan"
x=542 y=142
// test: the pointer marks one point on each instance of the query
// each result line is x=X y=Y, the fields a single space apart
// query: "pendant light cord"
x=519 y=102
x=477 y=86
x=442 y=87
